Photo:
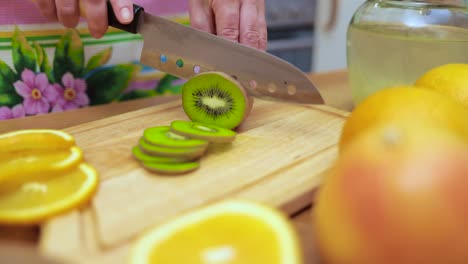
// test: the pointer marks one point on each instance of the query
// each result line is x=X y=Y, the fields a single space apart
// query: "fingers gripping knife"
x=184 y=52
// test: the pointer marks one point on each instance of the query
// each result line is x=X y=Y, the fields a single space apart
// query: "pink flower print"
x=36 y=91
x=72 y=95
x=16 y=112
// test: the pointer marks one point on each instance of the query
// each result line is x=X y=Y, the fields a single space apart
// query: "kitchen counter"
x=333 y=85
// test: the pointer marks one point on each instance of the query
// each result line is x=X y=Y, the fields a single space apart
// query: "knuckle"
x=251 y=37
x=229 y=33
x=263 y=42
x=263 y=45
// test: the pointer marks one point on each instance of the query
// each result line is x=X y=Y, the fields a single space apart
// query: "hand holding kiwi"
x=215 y=104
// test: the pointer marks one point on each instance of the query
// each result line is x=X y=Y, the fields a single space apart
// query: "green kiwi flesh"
x=188 y=153
x=171 y=168
x=143 y=157
x=215 y=98
x=209 y=132
x=162 y=136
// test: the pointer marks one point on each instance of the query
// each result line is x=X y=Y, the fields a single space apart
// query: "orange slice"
x=34 y=201
x=35 y=139
x=227 y=232
x=32 y=163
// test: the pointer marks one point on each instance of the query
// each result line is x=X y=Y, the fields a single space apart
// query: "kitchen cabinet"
x=330 y=26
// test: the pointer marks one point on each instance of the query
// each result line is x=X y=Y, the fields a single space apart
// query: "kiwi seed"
x=215 y=98
x=209 y=132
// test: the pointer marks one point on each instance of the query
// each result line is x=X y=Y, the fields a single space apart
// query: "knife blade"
x=184 y=51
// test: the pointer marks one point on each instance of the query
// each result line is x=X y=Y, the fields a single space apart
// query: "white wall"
x=329 y=51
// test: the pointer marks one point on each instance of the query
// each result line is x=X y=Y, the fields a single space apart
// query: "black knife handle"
x=132 y=27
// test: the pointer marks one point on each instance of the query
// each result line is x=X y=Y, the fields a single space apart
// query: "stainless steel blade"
x=184 y=51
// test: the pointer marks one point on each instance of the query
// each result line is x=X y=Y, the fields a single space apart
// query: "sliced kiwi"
x=215 y=98
x=171 y=168
x=162 y=136
x=143 y=157
x=188 y=153
x=203 y=131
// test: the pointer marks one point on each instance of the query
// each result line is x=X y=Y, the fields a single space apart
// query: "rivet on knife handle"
x=132 y=27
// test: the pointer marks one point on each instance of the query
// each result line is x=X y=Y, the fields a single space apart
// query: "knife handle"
x=132 y=27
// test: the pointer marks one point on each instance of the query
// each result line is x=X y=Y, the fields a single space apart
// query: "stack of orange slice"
x=42 y=174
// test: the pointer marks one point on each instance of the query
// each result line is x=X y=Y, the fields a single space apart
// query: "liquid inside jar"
x=381 y=55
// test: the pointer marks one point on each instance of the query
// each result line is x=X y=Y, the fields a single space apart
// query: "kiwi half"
x=209 y=132
x=143 y=157
x=162 y=136
x=188 y=153
x=215 y=98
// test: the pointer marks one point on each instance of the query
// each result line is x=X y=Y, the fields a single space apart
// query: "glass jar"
x=394 y=42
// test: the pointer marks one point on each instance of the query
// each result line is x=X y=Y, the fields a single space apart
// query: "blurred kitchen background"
x=311 y=34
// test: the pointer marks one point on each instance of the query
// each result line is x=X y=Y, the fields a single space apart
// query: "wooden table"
x=334 y=88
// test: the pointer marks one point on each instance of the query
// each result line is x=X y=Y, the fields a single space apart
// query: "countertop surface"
x=332 y=85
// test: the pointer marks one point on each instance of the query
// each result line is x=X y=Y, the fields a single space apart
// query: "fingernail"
x=125 y=13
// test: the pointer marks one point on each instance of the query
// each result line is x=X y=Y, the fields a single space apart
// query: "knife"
x=184 y=51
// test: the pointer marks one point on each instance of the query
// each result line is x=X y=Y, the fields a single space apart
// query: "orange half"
x=34 y=201
x=227 y=232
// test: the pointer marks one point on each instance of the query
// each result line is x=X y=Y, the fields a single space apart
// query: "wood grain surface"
x=279 y=156
x=299 y=143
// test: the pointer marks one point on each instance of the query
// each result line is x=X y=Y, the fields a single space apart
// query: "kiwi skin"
x=232 y=125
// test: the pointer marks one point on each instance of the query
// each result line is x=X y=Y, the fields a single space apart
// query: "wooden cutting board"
x=279 y=157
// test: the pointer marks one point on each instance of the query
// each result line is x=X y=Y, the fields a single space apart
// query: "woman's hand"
x=238 y=20
x=68 y=12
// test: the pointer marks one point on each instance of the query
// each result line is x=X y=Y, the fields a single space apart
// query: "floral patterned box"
x=45 y=67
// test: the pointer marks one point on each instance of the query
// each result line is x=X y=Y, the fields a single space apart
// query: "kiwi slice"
x=188 y=153
x=215 y=98
x=143 y=157
x=162 y=136
x=212 y=133
x=171 y=168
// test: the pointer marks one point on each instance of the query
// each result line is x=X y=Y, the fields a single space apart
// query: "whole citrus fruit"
x=396 y=195
x=405 y=105
x=448 y=79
